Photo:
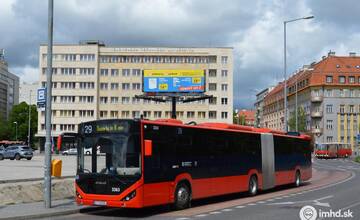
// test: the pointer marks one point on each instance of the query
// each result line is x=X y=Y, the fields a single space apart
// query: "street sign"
x=174 y=81
x=41 y=97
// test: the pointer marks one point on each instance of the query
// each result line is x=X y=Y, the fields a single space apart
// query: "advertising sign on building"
x=177 y=81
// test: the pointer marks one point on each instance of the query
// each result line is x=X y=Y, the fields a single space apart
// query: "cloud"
x=253 y=28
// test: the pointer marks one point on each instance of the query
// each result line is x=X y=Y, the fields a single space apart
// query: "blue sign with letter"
x=41 y=97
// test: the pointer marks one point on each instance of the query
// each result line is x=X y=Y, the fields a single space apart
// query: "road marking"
x=270 y=200
x=226 y=210
x=182 y=218
x=240 y=207
x=261 y=202
x=251 y=204
x=315 y=202
x=201 y=215
x=214 y=213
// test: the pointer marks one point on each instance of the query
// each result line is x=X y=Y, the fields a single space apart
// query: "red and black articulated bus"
x=333 y=150
x=146 y=163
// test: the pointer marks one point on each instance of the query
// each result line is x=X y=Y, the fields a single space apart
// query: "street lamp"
x=285 y=89
x=15 y=122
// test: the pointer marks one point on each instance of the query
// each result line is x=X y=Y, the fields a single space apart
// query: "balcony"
x=316 y=98
x=316 y=130
x=316 y=114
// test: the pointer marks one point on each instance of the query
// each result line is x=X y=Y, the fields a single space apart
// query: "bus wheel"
x=297 y=179
x=182 y=197
x=253 y=185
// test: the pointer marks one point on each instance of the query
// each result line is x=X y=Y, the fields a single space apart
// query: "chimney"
x=352 y=54
x=331 y=53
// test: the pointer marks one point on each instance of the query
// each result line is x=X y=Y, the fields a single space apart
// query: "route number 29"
x=88 y=129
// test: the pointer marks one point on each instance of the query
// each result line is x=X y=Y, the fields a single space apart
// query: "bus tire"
x=182 y=196
x=297 y=182
x=253 y=185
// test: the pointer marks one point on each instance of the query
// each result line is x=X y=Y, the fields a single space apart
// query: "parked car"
x=71 y=151
x=16 y=152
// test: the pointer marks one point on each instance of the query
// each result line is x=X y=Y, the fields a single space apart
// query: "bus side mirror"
x=148 y=147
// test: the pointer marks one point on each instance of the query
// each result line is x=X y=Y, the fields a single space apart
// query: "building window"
x=136 y=86
x=180 y=114
x=342 y=109
x=103 y=86
x=125 y=114
x=212 y=114
x=351 y=79
x=157 y=114
x=224 y=73
x=126 y=86
x=224 y=59
x=114 y=86
x=136 y=72
x=212 y=86
x=212 y=73
x=103 y=114
x=125 y=100
x=126 y=72
x=114 y=72
x=135 y=100
x=114 y=100
x=114 y=114
x=201 y=114
x=328 y=93
x=329 y=124
x=342 y=79
x=351 y=109
x=212 y=101
x=329 y=109
x=224 y=101
x=329 y=79
x=224 y=87
x=190 y=114
x=104 y=72
x=342 y=93
x=329 y=139
x=103 y=100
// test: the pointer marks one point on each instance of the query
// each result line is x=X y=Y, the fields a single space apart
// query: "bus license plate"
x=102 y=203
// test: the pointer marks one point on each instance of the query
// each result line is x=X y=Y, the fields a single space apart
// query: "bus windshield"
x=113 y=154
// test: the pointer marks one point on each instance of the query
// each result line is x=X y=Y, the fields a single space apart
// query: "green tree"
x=20 y=115
x=4 y=130
x=301 y=120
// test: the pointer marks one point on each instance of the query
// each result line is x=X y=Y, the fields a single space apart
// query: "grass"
x=357 y=159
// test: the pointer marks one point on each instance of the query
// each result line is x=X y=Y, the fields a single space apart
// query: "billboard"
x=176 y=81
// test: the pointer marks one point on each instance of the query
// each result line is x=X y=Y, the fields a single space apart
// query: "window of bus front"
x=113 y=152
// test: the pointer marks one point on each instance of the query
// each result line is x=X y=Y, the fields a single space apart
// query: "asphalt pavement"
x=282 y=203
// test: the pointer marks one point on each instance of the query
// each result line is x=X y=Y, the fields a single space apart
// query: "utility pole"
x=29 y=126
x=47 y=165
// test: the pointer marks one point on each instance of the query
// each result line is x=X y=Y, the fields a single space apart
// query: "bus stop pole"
x=47 y=165
x=173 y=107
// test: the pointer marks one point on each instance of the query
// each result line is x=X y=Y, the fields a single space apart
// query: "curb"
x=53 y=214
x=33 y=179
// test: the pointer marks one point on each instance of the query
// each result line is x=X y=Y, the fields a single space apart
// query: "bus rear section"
x=148 y=163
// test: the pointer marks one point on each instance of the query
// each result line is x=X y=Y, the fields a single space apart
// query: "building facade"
x=329 y=93
x=259 y=107
x=93 y=81
x=246 y=117
x=28 y=92
x=9 y=88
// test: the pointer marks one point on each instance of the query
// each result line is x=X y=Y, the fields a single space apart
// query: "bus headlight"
x=78 y=194
x=129 y=196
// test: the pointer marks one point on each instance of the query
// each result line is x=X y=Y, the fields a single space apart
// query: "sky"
x=253 y=28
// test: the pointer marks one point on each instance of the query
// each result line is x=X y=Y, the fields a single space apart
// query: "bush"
x=357 y=159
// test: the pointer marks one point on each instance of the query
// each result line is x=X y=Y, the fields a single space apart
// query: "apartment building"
x=94 y=81
x=27 y=92
x=329 y=92
x=259 y=107
x=9 y=88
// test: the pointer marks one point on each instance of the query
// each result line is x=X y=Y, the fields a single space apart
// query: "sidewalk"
x=37 y=210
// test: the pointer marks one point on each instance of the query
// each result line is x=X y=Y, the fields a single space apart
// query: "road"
x=335 y=186
x=34 y=168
